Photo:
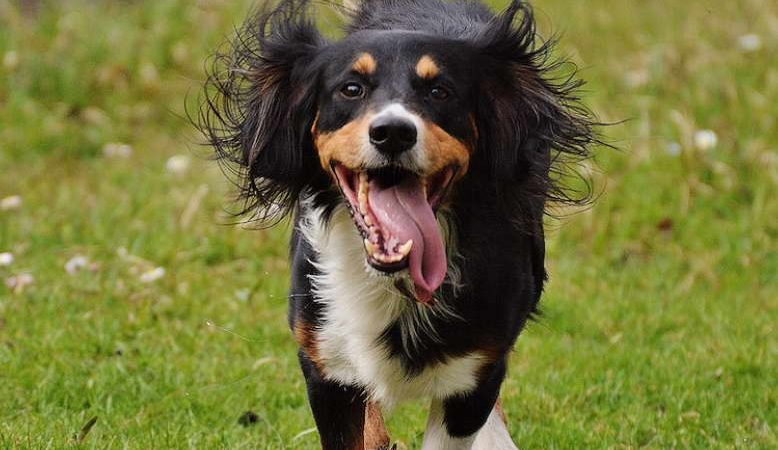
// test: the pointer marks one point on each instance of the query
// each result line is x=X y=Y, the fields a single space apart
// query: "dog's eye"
x=352 y=90
x=439 y=93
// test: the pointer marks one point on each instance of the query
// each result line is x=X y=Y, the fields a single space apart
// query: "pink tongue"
x=403 y=212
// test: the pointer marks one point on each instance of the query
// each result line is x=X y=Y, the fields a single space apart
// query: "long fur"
x=258 y=107
x=259 y=104
x=362 y=337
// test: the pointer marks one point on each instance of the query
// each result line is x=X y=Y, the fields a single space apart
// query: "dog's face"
x=395 y=128
x=394 y=121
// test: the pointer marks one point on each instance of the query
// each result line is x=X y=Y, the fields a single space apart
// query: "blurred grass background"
x=127 y=296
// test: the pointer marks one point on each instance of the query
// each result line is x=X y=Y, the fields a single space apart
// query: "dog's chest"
x=358 y=307
x=351 y=351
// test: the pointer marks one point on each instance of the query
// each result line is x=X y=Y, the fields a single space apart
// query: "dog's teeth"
x=404 y=249
x=388 y=259
x=368 y=220
x=362 y=193
x=370 y=247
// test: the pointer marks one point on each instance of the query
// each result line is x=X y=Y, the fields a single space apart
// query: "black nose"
x=392 y=135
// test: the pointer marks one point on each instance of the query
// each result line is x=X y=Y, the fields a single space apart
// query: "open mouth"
x=394 y=211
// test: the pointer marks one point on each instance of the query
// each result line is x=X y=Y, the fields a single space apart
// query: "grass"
x=660 y=318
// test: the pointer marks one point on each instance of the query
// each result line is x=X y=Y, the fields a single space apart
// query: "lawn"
x=135 y=314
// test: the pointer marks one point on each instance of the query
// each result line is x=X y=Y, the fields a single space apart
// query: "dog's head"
x=392 y=118
x=395 y=126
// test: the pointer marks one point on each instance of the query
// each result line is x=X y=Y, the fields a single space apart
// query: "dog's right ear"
x=259 y=105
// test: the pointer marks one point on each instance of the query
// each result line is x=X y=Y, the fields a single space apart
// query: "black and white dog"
x=417 y=155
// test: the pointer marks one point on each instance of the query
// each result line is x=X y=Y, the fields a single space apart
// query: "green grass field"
x=660 y=317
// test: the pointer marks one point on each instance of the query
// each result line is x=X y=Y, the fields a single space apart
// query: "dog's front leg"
x=339 y=411
x=472 y=421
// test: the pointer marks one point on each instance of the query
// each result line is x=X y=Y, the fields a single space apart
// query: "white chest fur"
x=359 y=304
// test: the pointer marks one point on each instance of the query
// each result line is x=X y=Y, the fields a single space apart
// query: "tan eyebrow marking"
x=364 y=64
x=426 y=68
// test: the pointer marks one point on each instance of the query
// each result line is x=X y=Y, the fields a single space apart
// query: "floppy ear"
x=259 y=105
x=532 y=126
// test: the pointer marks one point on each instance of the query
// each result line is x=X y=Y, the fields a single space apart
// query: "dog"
x=417 y=156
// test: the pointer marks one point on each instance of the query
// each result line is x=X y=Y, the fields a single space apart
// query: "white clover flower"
x=149 y=75
x=10 y=203
x=117 y=150
x=6 y=259
x=749 y=42
x=637 y=78
x=75 y=264
x=11 y=60
x=95 y=116
x=178 y=164
x=705 y=139
x=17 y=283
x=152 y=275
x=180 y=53
x=673 y=149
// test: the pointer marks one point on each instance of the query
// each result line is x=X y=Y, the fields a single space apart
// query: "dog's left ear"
x=529 y=122
x=260 y=103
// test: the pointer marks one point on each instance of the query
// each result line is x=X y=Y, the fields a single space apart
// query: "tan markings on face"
x=426 y=68
x=315 y=124
x=307 y=340
x=375 y=434
x=343 y=145
x=444 y=150
x=364 y=64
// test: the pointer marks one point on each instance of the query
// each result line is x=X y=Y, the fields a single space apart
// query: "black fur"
x=263 y=96
x=258 y=107
x=259 y=102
